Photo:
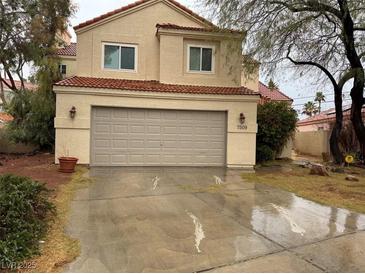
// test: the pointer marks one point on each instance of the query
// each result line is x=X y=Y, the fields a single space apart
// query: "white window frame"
x=119 y=57
x=201 y=57
x=60 y=68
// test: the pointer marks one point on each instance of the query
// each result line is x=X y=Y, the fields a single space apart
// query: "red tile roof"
x=18 y=84
x=135 y=4
x=272 y=94
x=4 y=117
x=151 y=86
x=210 y=29
x=327 y=116
x=69 y=50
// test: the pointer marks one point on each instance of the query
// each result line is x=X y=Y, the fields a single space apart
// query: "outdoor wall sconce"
x=73 y=112
x=242 y=118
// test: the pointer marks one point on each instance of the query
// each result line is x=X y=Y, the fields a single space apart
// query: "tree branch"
x=346 y=77
x=13 y=86
x=311 y=63
x=2 y=93
x=311 y=6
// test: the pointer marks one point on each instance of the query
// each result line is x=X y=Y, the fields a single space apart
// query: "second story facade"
x=157 y=40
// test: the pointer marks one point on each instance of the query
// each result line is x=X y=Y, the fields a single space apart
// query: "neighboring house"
x=156 y=85
x=274 y=95
x=67 y=57
x=4 y=118
x=9 y=93
x=313 y=133
x=324 y=120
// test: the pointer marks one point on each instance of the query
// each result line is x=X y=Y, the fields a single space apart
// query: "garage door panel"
x=136 y=144
x=186 y=130
x=136 y=114
x=119 y=114
x=184 y=159
x=169 y=115
x=152 y=158
x=100 y=143
x=122 y=136
x=136 y=159
x=122 y=143
x=153 y=129
x=137 y=128
x=169 y=129
x=153 y=144
x=119 y=159
x=101 y=157
x=102 y=128
x=119 y=129
x=102 y=113
x=153 y=114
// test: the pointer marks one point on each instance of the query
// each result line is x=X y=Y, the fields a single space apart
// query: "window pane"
x=194 y=59
x=127 y=58
x=207 y=60
x=111 y=57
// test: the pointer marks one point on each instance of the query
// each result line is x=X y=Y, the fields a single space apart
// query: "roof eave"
x=195 y=33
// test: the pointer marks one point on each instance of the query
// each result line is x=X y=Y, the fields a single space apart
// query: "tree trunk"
x=2 y=93
x=336 y=131
x=357 y=91
x=356 y=114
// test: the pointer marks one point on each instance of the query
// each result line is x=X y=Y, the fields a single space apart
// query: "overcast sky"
x=289 y=82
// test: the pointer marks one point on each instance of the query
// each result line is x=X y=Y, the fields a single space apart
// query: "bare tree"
x=328 y=35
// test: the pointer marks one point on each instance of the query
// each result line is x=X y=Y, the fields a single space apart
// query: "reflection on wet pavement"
x=200 y=219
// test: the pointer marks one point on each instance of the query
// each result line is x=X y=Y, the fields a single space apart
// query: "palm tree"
x=310 y=109
x=272 y=85
x=320 y=98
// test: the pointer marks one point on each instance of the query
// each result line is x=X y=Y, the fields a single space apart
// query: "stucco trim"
x=67 y=57
x=155 y=95
x=248 y=168
x=198 y=34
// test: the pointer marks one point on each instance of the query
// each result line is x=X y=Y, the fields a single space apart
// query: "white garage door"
x=150 y=137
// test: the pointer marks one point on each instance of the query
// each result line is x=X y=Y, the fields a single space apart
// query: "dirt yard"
x=39 y=167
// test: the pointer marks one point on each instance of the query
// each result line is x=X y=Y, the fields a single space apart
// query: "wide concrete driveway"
x=207 y=219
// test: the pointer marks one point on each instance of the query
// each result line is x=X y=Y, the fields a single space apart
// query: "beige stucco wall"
x=70 y=63
x=312 y=142
x=73 y=135
x=136 y=28
x=287 y=150
x=314 y=127
x=251 y=79
x=161 y=57
x=174 y=60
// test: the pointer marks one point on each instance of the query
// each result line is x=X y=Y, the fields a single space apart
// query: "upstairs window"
x=120 y=57
x=200 y=59
x=63 y=69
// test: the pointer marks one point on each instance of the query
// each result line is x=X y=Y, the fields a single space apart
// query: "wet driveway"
x=207 y=219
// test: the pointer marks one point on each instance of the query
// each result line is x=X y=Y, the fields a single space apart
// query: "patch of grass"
x=332 y=191
x=59 y=248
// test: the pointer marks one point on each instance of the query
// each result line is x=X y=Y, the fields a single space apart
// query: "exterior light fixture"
x=73 y=112
x=242 y=118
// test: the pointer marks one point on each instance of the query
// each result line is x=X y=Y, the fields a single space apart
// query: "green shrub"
x=34 y=111
x=276 y=124
x=24 y=208
x=264 y=153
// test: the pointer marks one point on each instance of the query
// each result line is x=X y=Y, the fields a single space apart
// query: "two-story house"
x=154 y=84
